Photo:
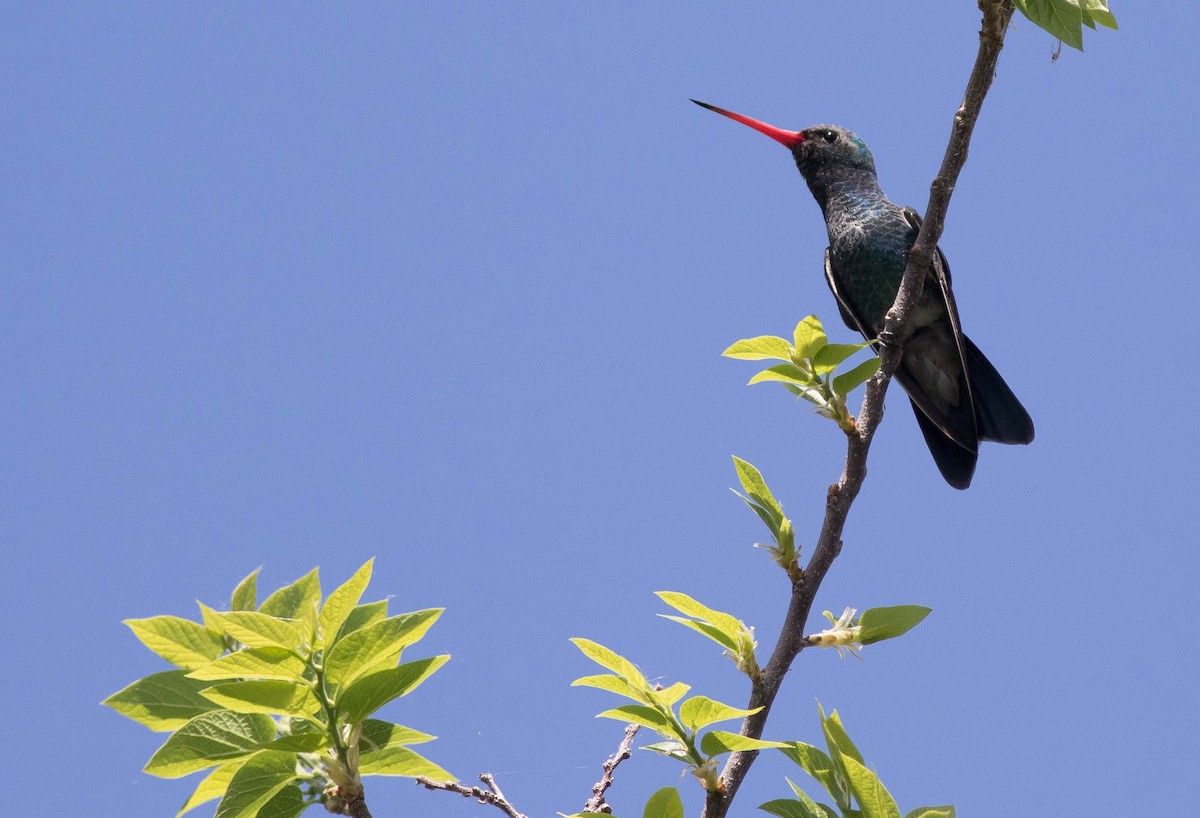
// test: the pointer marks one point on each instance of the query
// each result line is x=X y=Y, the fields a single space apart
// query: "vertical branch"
x=841 y=495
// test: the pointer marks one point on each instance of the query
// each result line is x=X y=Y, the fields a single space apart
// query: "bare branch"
x=597 y=803
x=841 y=495
x=492 y=795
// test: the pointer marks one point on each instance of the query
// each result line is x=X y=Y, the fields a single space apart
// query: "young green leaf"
x=610 y=660
x=706 y=629
x=296 y=601
x=379 y=735
x=254 y=663
x=721 y=741
x=1062 y=18
x=162 y=701
x=760 y=348
x=259 y=630
x=809 y=336
x=209 y=740
x=873 y=798
x=270 y=696
x=754 y=485
x=641 y=714
x=830 y=355
x=817 y=764
x=670 y=749
x=818 y=810
x=946 y=811
x=287 y=803
x=401 y=761
x=787 y=808
x=256 y=782
x=878 y=624
x=341 y=603
x=847 y=382
x=611 y=683
x=1094 y=11
x=701 y=711
x=369 y=693
x=837 y=738
x=364 y=615
x=245 y=595
x=377 y=646
x=181 y=642
x=212 y=786
x=665 y=803
x=669 y=695
x=785 y=373
x=727 y=624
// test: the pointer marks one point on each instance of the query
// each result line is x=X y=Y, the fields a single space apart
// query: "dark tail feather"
x=955 y=463
x=998 y=413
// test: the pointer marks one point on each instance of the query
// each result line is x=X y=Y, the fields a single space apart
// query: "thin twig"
x=492 y=795
x=996 y=16
x=597 y=803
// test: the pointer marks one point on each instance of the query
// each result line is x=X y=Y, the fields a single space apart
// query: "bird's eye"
x=829 y=136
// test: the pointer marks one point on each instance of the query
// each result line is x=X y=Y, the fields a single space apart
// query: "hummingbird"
x=958 y=396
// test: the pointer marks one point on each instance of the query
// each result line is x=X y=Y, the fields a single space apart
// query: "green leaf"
x=818 y=810
x=376 y=646
x=209 y=740
x=259 y=630
x=753 y=484
x=364 y=615
x=787 y=808
x=341 y=603
x=671 y=749
x=369 y=693
x=830 y=355
x=809 y=336
x=213 y=786
x=1062 y=18
x=299 y=600
x=256 y=782
x=379 y=735
x=161 y=701
x=301 y=742
x=816 y=763
x=270 y=696
x=946 y=811
x=245 y=595
x=701 y=711
x=722 y=741
x=613 y=684
x=641 y=714
x=609 y=660
x=1094 y=11
x=181 y=642
x=847 y=382
x=887 y=623
x=836 y=737
x=669 y=695
x=665 y=803
x=254 y=663
x=762 y=347
x=786 y=373
x=287 y=803
x=708 y=630
x=401 y=761
x=727 y=624
x=873 y=798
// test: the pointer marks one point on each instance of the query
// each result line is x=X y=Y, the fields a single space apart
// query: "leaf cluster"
x=854 y=787
x=762 y=502
x=809 y=368
x=679 y=720
x=275 y=699
x=1065 y=19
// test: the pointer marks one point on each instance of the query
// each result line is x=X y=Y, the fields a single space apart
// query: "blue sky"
x=447 y=284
